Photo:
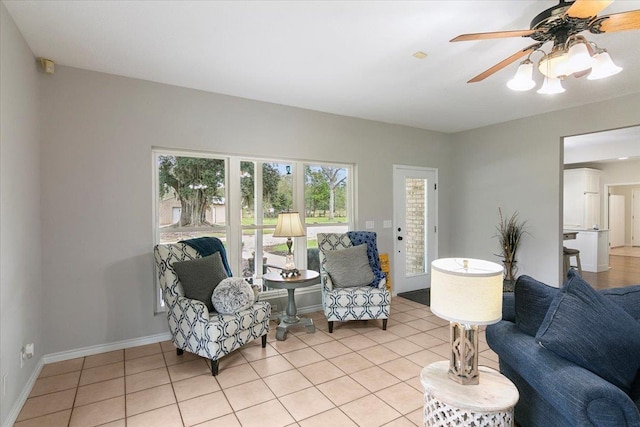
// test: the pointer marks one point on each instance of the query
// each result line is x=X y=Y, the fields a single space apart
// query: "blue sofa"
x=555 y=391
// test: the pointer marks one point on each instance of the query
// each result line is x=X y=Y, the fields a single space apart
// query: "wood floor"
x=623 y=271
x=626 y=251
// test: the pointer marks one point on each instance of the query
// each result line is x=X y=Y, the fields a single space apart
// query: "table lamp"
x=467 y=293
x=289 y=226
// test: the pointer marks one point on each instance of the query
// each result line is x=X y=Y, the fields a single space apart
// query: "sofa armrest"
x=577 y=393
x=508 y=306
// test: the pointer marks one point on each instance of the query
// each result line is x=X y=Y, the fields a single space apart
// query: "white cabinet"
x=594 y=249
x=581 y=198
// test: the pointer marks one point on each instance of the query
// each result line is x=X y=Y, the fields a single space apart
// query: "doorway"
x=616 y=154
x=415 y=226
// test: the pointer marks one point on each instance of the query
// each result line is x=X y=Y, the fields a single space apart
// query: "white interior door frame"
x=605 y=209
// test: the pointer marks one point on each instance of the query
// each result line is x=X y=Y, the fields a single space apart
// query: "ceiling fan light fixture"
x=579 y=57
x=555 y=64
x=523 y=80
x=603 y=66
x=551 y=86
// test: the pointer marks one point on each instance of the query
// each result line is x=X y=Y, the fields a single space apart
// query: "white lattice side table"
x=448 y=403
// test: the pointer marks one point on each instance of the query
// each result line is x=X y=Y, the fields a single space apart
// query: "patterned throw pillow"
x=349 y=267
x=232 y=295
x=199 y=277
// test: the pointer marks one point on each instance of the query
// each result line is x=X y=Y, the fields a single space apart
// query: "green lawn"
x=315 y=220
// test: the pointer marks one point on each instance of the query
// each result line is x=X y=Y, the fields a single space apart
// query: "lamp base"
x=294 y=272
x=463 y=361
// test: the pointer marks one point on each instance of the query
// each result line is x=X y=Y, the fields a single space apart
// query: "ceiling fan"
x=572 y=54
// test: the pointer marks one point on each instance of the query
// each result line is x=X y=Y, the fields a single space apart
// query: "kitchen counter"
x=594 y=249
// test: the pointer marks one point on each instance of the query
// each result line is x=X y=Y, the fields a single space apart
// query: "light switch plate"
x=369 y=225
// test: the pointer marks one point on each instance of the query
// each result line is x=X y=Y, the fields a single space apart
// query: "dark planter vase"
x=508 y=285
x=510 y=271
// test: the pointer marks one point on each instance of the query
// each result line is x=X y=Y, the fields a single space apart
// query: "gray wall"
x=20 y=244
x=517 y=166
x=97 y=190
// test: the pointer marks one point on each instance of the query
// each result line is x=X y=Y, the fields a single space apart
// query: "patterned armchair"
x=356 y=303
x=192 y=327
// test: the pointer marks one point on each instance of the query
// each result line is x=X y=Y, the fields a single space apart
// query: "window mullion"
x=234 y=223
x=258 y=214
x=299 y=255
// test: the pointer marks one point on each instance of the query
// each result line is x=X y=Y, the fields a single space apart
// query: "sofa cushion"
x=349 y=267
x=628 y=298
x=532 y=300
x=584 y=327
x=232 y=295
x=199 y=277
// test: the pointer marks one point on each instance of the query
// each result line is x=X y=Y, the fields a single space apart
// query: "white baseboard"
x=22 y=398
x=72 y=354
x=310 y=309
x=103 y=348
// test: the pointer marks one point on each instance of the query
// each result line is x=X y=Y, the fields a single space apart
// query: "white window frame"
x=233 y=224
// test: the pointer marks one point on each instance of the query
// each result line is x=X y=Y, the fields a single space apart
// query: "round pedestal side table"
x=291 y=319
x=448 y=403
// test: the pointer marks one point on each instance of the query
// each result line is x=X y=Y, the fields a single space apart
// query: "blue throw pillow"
x=370 y=239
x=584 y=327
x=532 y=301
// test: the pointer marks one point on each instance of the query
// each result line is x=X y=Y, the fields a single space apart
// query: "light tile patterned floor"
x=357 y=376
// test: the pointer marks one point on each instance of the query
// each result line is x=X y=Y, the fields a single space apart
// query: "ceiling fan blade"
x=493 y=35
x=617 y=22
x=500 y=65
x=587 y=8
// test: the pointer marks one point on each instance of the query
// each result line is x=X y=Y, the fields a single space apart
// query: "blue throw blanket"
x=208 y=246
x=370 y=239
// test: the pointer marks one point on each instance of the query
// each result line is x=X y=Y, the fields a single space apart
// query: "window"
x=327 y=200
x=237 y=199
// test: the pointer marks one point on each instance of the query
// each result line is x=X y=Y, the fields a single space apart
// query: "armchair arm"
x=577 y=393
x=200 y=310
x=181 y=309
x=327 y=284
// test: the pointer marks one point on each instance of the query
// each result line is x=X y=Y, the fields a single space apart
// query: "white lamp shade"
x=603 y=67
x=523 y=79
x=551 y=86
x=555 y=64
x=289 y=225
x=579 y=58
x=469 y=295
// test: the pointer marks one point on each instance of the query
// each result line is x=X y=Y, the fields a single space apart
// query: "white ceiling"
x=344 y=57
x=603 y=147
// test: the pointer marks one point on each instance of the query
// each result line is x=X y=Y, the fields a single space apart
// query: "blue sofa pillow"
x=532 y=300
x=628 y=298
x=584 y=327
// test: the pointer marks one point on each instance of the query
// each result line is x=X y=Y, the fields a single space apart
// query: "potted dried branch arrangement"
x=510 y=231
